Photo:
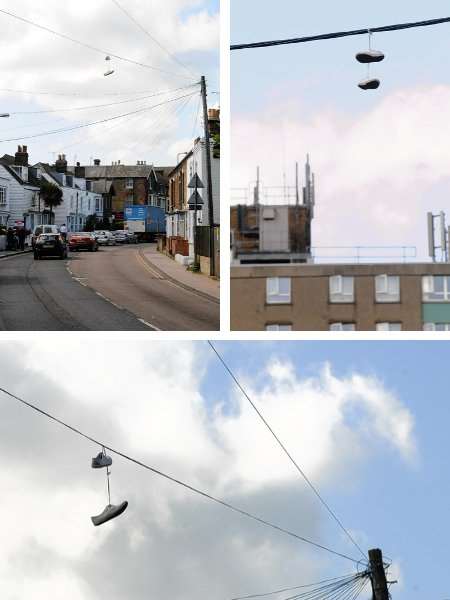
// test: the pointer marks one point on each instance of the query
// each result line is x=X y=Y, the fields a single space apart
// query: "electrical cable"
x=147 y=33
x=289 y=589
x=94 y=106
x=285 y=450
x=85 y=45
x=339 y=34
x=65 y=129
x=174 y=479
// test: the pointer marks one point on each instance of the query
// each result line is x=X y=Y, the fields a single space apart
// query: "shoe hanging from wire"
x=368 y=57
x=109 y=71
x=111 y=510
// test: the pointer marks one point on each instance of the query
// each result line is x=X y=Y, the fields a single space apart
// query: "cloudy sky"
x=382 y=158
x=355 y=415
x=52 y=74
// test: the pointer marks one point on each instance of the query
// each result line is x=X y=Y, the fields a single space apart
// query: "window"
x=389 y=327
x=436 y=288
x=97 y=204
x=436 y=326
x=2 y=196
x=89 y=205
x=3 y=219
x=341 y=288
x=278 y=327
x=130 y=184
x=387 y=288
x=342 y=327
x=278 y=290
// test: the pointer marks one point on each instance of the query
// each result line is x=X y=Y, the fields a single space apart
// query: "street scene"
x=340 y=202
x=110 y=180
x=294 y=470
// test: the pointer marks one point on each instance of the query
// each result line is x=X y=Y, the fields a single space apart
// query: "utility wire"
x=94 y=106
x=173 y=479
x=339 y=34
x=75 y=94
x=285 y=450
x=85 y=45
x=65 y=129
x=148 y=34
x=290 y=589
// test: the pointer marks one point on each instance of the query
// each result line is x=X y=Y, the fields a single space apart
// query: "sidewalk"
x=7 y=253
x=173 y=270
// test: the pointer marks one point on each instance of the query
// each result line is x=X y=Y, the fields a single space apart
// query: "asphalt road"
x=44 y=296
x=123 y=276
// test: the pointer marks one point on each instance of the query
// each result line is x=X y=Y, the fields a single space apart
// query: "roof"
x=118 y=171
x=32 y=181
x=102 y=186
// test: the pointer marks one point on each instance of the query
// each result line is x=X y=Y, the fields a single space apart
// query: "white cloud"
x=39 y=61
x=378 y=172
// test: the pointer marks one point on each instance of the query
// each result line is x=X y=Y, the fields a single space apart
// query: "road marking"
x=146 y=266
x=149 y=325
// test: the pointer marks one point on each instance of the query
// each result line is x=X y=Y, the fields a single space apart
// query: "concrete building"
x=365 y=297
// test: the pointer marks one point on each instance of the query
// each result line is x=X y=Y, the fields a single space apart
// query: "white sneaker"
x=111 y=511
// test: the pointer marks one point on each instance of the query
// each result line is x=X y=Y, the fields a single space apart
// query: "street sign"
x=196 y=182
x=195 y=199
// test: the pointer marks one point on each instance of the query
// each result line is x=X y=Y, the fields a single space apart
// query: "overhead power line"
x=298 y=587
x=148 y=34
x=86 y=45
x=84 y=125
x=285 y=450
x=339 y=34
x=174 y=479
x=92 y=107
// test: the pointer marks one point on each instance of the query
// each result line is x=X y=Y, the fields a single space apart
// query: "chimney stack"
x=21 y=158
x=61 y=164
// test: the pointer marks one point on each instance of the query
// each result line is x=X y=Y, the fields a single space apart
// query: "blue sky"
x=402 y=509
x=381 y=158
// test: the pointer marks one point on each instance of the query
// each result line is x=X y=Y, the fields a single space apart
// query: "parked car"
x=83 y=240
x=39 y=229
x=50 y=244
x=121 y=236
x=105 y=238
x=132 y=237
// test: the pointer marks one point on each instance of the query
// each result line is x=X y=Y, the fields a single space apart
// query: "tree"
x=91 y=222
x=51 y=195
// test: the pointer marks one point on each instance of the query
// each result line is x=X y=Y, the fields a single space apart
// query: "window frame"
x=269 y=293
x=388 y=323
x=426 y=279
x=385 y=296
x=342 y=325
x=4 y=194
x=341 y=297
x=284 y=326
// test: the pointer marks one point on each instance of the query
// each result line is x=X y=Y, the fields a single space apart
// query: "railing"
x=363 y=254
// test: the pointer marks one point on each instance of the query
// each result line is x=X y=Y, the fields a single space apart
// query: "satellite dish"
x=369 y=84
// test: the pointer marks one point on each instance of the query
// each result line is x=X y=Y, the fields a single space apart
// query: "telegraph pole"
x=208 y=178
x=378 y=575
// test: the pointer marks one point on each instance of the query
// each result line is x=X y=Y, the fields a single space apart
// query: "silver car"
x=105 y=238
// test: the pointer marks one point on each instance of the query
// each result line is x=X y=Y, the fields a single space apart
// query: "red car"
x=82 y=241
